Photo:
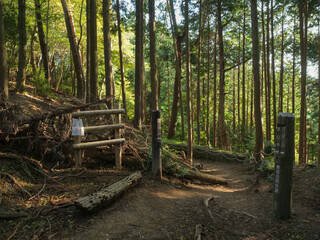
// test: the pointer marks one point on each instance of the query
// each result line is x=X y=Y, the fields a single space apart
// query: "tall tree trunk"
x=268 y=81
x=123 y=84
x=244 y=123
x=239 y=84
x=190 y=151
x=198 y=77
x=281 y=66
x=319 y=87
x=153 y=64
x=293 y=64
x=43 y=44
x=107 y=53
x=274 y=99
x=222 y=131
x=93 y=52
x=138 y=65
x=21 y=78
x=74 y=49
x=3 y=58
x=303 y=52
x=88 y=97
x=256 y=75
x=168 y=90
x=208 y=82
x=214 y=125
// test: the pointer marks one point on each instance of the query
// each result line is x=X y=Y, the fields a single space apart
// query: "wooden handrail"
x=84 y=145
x=98 y=112
x=103 y=127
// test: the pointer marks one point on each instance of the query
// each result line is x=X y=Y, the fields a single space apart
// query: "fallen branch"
x=107 y=195
x=248 y=214
x=198 y=232
x=14 y=181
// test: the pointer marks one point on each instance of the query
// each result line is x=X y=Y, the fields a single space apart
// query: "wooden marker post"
x=284 y=160
x=117 y=135
x=156 y=143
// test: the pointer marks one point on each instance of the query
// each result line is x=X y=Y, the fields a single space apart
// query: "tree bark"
x=21 y=78
x=107 y=53
x=3 y=58
x=93 y=52
x=256 y=75
x=268 y=81
x=123 y=84
x=303 y=52
x=74 y=49
x=88 y=97
x=190 y=138
x=43 y=44
x=138 y=65
x=153 y=64
x=293 y=65
x=222 y=136
x=274 y=99
x=208 y=83
x=244 y=123
x=214 y=127
x=198 y=76
x=33 y=64
x=177 y=82
x=281 y=66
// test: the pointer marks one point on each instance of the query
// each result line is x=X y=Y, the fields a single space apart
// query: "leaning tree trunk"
x=21 y=78
x=256 y=75
x=43 y=44
x=107 y=53
x=3 y=59
x=73 y=46
x=222 y=131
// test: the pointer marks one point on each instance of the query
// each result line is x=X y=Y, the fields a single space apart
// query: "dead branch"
x=14 y=181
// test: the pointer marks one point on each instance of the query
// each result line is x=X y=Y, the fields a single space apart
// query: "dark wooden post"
x=284 y=160
x=156 y=143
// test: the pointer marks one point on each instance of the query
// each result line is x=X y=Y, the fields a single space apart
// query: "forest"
x=224 y=74
x=193 y=61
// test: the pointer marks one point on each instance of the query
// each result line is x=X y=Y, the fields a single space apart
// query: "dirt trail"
x=170 y=210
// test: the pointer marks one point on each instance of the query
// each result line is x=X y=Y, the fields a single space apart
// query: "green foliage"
x=171 y=164
x=42 y=87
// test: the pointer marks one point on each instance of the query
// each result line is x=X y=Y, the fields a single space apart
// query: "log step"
x=206 y=177
x=107 y=195
x=103 y=127
x=98 y=112
x=78 y=146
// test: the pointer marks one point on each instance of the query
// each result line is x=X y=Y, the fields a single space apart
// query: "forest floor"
x=38 y=196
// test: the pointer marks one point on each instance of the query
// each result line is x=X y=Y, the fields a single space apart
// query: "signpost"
x=284 y=160
x=156 y=143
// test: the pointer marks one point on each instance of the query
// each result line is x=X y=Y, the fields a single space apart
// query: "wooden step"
x=78 y=146
x=98 y=112
x=103 y=127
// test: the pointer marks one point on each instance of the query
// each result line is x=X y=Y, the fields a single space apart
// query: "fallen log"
x=12 y=215
x=204 y=177
x=202 y=152
x=107 y=195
